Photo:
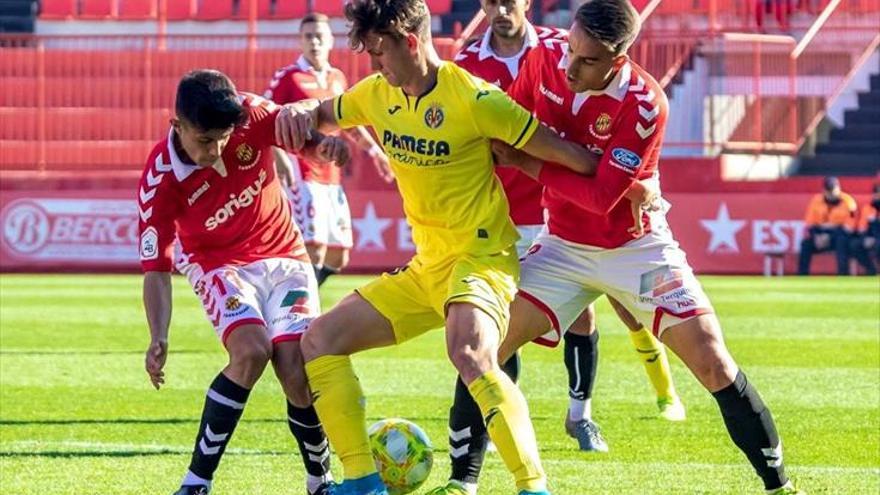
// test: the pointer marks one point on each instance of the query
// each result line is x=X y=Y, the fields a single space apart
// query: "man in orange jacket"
x=831 y=219
x=865 y=243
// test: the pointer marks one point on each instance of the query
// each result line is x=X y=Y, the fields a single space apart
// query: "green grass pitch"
x=78 y=416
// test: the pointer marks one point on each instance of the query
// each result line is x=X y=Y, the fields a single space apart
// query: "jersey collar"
x=486 y=46
x=182 y=170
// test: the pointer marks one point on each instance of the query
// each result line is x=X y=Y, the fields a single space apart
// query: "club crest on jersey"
x=232 y=303
x=434 y=116
x=246 y=155
x=600 y=128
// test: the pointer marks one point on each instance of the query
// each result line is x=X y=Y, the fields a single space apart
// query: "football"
x=403 y=454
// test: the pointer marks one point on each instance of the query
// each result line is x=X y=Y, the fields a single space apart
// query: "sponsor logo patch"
x=149 y=244
x=626 y=160
x=298 y=301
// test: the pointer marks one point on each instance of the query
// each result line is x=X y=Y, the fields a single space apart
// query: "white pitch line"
x=33 y=446
x=704 y=465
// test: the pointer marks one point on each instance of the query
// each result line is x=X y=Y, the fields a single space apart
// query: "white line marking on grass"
x=35 y=446
x=705 y=465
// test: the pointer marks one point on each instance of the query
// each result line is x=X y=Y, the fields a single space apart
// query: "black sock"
x=468 y=437
x=310 y=438
x=752 y=429
x=223 y=407
x=324 y=272
x=581 y=361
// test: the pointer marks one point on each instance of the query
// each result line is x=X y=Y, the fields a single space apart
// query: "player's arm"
x=157 y=304
x=364 y=140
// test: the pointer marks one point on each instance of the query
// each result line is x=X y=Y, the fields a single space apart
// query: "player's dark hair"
x=207 y=99
x=614 y=23
x=395 y=18
x=314 y=17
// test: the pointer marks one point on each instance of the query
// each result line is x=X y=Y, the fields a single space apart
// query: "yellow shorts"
x=414 y=298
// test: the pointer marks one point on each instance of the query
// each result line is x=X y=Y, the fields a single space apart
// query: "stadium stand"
x=98 y=9
x=137 y=9
x=17 y=16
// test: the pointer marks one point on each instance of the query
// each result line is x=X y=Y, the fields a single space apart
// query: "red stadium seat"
x=57 y=9
x=97 y=9
x=215 y=10
x=137 y=9
x=439 y=7
x=263 y=9
x=289 y=9
x=181 y=10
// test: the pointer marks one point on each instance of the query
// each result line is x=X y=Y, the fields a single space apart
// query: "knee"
x=585 y=324
x=251 y=360
x=716 y=371
x=314 y=343
x=469 y=362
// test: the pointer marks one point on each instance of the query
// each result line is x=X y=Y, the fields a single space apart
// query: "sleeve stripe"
x=523 y=133
x=339 y=107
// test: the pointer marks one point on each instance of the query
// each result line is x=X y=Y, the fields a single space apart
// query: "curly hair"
x=395 y=18
x=614 y=23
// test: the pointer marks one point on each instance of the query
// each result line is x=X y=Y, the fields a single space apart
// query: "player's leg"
x=699 y=344
x=840 y=245
x=653 y=356
x=652 y=279
x=377 y=315
x=235 y=313
x=339 y=240
x=581 y=356
x=291 y=305
x=808 y=247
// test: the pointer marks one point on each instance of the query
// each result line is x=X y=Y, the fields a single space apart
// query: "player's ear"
x=619 y=60
x=175 y=123
x=412 y=42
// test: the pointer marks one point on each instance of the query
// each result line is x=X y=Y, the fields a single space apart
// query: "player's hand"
x=293 y=126
x=643 y=196
x=383 y=166
x=155 y=361
x=869 y=242
x=334 y=149
x=822 y=241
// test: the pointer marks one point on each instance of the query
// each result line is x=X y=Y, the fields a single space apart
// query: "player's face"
x=506 y=17
x=591 y=65
x=317 y=41
x=394 y=58
x=203 y=147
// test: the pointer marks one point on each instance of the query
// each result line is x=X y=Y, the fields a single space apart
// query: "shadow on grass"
x=61 y=454
x=168 y=421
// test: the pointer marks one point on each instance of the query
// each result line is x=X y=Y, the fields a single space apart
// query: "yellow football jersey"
x=438 y=145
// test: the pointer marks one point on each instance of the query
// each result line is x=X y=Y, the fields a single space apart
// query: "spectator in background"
x=865 y=243
x=831 y=219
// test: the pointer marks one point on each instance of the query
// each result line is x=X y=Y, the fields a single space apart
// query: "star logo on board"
x=723 y=231
x=371 y=228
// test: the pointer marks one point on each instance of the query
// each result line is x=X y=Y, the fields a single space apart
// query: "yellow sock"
x=507 y=419
x=339 y=402
x=653 y=356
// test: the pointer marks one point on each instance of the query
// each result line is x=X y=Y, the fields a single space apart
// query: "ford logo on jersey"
x=626 y=158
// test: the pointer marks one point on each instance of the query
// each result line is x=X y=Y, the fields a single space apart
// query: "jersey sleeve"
x=157 y=210
x=350 y=108
x=261 y=119
x=631 y=154
x=497 y=116
x=283 y=90
x=526 y=83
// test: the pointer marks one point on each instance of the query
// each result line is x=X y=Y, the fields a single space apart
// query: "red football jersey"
x=232 y=213
x=478 y=58
x=301 y=81
x=624 y=123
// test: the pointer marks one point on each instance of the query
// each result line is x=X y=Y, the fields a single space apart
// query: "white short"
x=278 y=293
x=650 y=277
x=321 y=212
x=527 y=235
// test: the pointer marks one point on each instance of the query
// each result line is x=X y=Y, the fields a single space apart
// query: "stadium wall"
x=724 y=228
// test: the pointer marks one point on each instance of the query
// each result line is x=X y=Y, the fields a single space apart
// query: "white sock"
x=579 y=409
x=313 y=482
x=471 y=488
x=787 y=485
x=191 y=479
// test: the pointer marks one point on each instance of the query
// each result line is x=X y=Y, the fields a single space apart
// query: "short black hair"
x=208 y=99
x=395 y=18
x=614 y=23
x=830 y=182
x=315 y=17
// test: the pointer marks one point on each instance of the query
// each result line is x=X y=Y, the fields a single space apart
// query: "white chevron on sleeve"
x=214 y=437
x=147 y=194
x=639 y=86
x=160 y=165
x=646 y=97
x=457 y=436
x=145 y=214
x=649 y=115
x=208 y=450
x=645 y=132
x=153 y=180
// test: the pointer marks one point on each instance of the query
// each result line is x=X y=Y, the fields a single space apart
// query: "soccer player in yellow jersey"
x=434 y=121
